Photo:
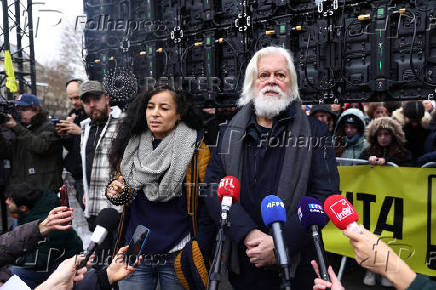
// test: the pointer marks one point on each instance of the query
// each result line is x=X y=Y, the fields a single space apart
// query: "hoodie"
x=353 y=148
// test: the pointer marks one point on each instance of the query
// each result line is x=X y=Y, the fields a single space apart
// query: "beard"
x=99 y=115
x=270 y=106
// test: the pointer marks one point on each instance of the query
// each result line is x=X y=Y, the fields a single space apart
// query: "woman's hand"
x=374 y=160
x=116 y=187
x=118 y=269
x=320 y=284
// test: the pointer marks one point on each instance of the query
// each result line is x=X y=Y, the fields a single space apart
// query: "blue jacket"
x=429 y=152
x=261 y=167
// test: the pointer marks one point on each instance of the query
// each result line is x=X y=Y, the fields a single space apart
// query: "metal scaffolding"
x=23 y=58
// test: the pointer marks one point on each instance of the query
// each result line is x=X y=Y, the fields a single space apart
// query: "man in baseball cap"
x=95 y=101
x=37 y=144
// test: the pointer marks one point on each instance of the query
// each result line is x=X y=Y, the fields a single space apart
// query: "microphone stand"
x=215 y=270
x=285 y=275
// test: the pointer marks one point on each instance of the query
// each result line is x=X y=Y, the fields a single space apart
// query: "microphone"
x=106 y=221
x=228 y=193
x=273 y=216
x=342 y=213
x=312 y=217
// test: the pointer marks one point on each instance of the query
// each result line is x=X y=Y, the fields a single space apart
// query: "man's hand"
x=65 y=274
x=118 y=270
x=260 y=248
x=320 y=284
x=11 y=123
x=68 y=127
x=57 y=219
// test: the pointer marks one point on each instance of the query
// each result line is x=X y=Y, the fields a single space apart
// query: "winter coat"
x=399 y=155
x=415 y=137
x=351 y=151
x=73 y=160
x=261 y=169
x=16 y=243
x=422 y=283
x=57 y=246
x=35 y=154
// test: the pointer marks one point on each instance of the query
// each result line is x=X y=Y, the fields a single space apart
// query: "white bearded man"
x=272 y=147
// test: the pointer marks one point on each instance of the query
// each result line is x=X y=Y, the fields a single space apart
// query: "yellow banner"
x=398 y=204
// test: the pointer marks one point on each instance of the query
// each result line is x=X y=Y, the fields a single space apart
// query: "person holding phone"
x=160 y=158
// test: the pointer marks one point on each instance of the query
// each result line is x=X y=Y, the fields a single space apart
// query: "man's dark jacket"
x=57 y=246
x=73 y=161
x=261 y=172
x=35 y=154
x=16 y=243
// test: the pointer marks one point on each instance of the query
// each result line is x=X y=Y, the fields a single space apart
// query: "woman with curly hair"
x=160 y=159
x=386 y=139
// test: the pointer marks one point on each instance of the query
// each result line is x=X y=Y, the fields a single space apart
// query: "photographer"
x=36 y=152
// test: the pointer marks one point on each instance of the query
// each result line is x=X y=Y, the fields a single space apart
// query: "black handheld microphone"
x=106 y=221
x=313 y=218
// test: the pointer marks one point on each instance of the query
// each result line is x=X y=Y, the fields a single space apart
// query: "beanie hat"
x=414 y=110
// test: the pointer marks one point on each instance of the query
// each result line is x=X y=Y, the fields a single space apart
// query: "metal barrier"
x=429 y=165
x=355 y=162
x=361 y=161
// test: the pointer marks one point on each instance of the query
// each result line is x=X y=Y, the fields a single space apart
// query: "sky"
x=49 y=19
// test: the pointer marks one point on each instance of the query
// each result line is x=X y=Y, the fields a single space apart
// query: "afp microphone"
x=313 y=218
x=274 y=216
x=106 y=221
x=342 y=213
x=228 y=193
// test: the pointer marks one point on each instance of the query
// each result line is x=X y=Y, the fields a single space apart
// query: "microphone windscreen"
x=108 y=218
x=310 y=212
x=273 y=210
x=340 y=211
x=229 y=186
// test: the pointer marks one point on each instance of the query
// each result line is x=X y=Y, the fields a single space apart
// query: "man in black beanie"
x=414 y=131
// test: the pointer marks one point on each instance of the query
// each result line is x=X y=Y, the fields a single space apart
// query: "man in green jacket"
x=36 y=152
x=32 y=204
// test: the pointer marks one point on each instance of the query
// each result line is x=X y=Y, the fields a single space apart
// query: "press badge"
x=31 y=170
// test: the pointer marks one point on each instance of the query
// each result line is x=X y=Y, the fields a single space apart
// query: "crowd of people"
x=158 y=165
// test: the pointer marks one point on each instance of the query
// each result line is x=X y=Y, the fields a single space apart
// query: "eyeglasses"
x=278 y=75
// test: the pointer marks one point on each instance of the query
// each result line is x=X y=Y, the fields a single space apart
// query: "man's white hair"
x=251 y=72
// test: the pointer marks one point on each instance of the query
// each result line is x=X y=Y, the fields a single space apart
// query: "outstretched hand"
x=320 y=284
x=57 y=219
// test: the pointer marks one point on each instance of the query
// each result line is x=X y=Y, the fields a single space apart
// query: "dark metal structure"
x=344 y=51
x=23 y=58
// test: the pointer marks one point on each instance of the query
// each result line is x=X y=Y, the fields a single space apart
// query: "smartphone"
x=63 y=195
x=431 y=218
x=136 y=245
x=54 y=120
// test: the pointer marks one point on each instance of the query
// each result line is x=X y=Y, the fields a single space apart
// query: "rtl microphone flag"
x=229 y=186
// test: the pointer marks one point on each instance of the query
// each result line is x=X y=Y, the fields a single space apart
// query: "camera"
x=6 y=107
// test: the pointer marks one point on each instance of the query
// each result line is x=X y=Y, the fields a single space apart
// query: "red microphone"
x=341 y=212
x=228 y=193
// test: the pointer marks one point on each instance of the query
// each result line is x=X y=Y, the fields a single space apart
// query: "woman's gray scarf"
x=159 y=172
